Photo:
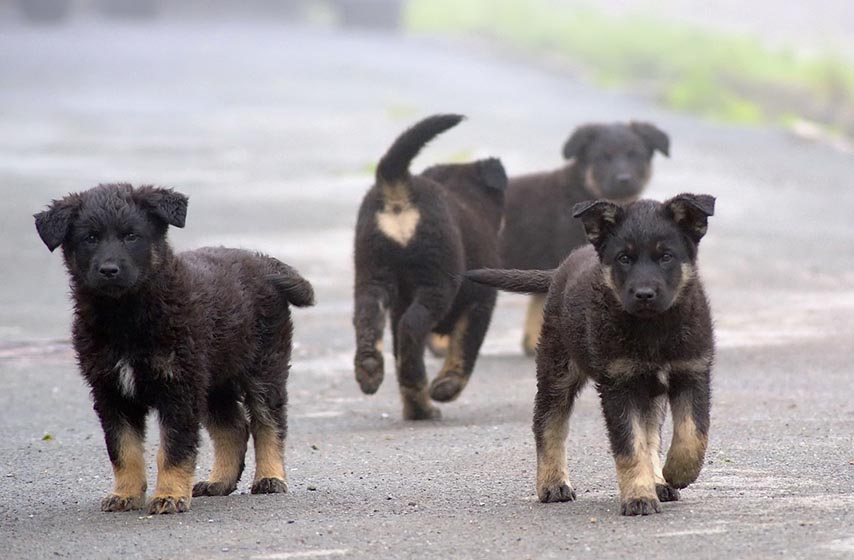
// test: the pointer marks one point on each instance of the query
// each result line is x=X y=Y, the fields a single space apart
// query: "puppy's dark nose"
x=109 y=270
x=624 y=179
x=645 y=294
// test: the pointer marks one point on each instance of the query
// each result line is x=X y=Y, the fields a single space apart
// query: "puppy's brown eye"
x=131 y=237
x=666 y=258
x=624 y=259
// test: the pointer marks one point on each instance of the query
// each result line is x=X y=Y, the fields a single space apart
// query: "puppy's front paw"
x=114 y=502
x=369 y=372
x=168 y=504
x=640 y=506
x=666 y=493
x=270 y=486
x=412 y=411
x=556 y=492
x=211 y=488
x=447 y=387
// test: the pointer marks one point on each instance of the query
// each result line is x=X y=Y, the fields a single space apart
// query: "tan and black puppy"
x=630 y=313
x=415 y=235
x=611 y=162
x=200 y=337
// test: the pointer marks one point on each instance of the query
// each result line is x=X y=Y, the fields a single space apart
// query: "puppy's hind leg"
x=229 y=431
x=372 y=302
x=558 y=383
x=533 y=324
x=412 y=330
x=466 y=340
x=269 y=427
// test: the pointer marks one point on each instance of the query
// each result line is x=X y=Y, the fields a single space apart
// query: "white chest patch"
x=399 y=226
x=127 y=384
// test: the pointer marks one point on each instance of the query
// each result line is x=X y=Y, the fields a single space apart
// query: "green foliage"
x=721 y=76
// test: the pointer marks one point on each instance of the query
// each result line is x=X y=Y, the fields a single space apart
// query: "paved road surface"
x=272 y=131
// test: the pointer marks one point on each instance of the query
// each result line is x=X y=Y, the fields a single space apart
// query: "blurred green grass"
x=720 y=76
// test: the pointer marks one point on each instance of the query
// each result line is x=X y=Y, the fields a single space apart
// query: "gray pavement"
x=272 y=131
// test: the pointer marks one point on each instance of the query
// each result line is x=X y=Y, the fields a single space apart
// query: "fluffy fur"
x=415 y=235
x=630 y=313
x=200 y=337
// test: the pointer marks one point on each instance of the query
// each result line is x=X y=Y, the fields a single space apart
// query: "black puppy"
x=631 y=314
x=188 y=335
x=414 y=236
x=607 y=161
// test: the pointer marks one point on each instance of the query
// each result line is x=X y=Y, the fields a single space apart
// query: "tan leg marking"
x=173 y=480
x=635 y=474
x=269 y=454
x=687 y=450
x=552 y=469
x=229 y=452
x=130 y=484
x=533 y=323
x=174 y=489
x=451 y=380
x=439 y=344
x=653 y=436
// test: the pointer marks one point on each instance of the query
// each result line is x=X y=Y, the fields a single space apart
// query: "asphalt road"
x=272 y=131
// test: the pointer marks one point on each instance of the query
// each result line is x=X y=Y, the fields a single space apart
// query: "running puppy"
x=630 y=313
x=415 y=235
x=190 y=335
x=606 y=161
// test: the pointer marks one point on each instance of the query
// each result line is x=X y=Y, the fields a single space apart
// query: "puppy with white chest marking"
x=201 y=337
x=630 y=313
x=414 y=236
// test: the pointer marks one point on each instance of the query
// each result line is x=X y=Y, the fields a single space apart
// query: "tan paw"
x=168 y=504
x=114 y=502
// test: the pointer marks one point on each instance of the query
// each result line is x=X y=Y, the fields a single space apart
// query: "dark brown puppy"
x=191 y=336
x=630 y=313
x=415 y=235
x=613 y=162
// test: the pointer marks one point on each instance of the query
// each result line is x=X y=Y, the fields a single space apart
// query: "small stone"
x=312 y=488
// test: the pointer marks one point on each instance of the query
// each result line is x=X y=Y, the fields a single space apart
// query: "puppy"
x=607 y=161
x=630 y=313
x=195 y=336
x=415 y=235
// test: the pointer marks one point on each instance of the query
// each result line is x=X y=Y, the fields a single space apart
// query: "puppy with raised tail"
x=415 y=235
x=201 y=337
x=630 y=313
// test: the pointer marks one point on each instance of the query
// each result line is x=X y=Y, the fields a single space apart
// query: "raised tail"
x=292 y=287
x=394 y=165
x=519 y=281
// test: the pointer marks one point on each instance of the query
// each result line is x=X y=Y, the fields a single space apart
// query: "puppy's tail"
x=519 y=281
x=394 y=165
x=292 y=287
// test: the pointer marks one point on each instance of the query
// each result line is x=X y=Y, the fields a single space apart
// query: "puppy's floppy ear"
x=53 y=224
x=580 y=139
x=167 y=204
x=492 y=173
x=691 y=213
x=653 y=137
x=600 y=218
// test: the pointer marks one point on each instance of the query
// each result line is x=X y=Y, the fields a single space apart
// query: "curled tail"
x=292 y=287
x=519 y=281
x=394 y=165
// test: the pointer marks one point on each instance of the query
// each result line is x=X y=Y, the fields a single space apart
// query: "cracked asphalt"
x=273 y=131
